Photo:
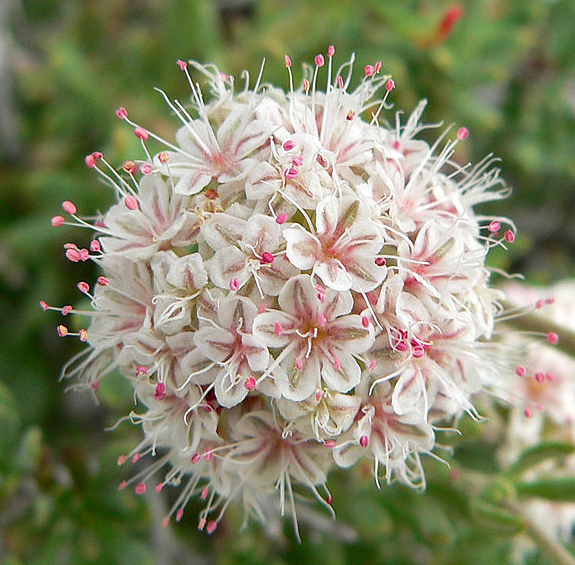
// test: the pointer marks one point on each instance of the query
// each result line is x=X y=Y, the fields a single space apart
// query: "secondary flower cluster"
x=290 y=286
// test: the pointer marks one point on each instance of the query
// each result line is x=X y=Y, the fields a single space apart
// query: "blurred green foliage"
x=506 y=70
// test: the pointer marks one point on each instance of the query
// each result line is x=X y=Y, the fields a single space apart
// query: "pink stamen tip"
x=83 y=287
x=83 y=335
x=141 y=133
x=319 y=60
x=205 y=493
x=540 y=377
x=95 y=386
x=377 y=67
x=182 y=64
x=339 y=81
x=350 y=115
x=552 y=338
x=159 y=487
x=549 y=300
x=462 y=133
x=164 y=157
x=122 y=113
x=282 y=218
x=331 y=51
x=380 y=261
x=262 y=308
x=202 y=524
x=141 y=370
x=57 y=221
x=539 y=304
x=330 y=443
x=122 y=485
x=390 y=85
x=528 y=412
x=196 y=457
x=160 y=393
x=365 y=321
x=211 y=527
x=369 y=70
x=329 y=499
x=550 y=377
x=208 y=455
x=539 y=407
x=179 y=514
x=44 y=305
x=234 y=284
x=62 y=330
x=95 y=246
x=418 y=351
x=90 y=161
x=298 y=364
x=66 y=310
x=84 y=254
x=520 y=371
x=372 y=365
x=291 y=173
x=131 y=202
x=267 y=257
x=121 y=460
x=69 y=207
x=146 y=169
x=165 y=522
x=251 y=383
x=140 y=488
x=136 y=457
x=297 y=161
x=287 y=62
x=364 y=441
x=288 y=145
x=306 y=85
x=319 y=395
x=494 y=226
x=509 y=236
x=130 y=167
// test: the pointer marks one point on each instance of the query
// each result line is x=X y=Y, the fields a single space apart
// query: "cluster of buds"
x=291 y=285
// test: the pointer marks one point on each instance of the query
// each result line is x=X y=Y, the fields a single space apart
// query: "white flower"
x=288 y=287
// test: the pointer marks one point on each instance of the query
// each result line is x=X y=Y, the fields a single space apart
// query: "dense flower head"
x=292 y=284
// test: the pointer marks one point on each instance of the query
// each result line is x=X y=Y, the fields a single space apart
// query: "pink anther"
x=69 y=207
x=146 y=169
x=57 y=221
x=291 y=173
x=390 y=85
x=462 y=133
x=182 y=64
x=73 y=255
x=520 y=371
x=297 y=161
x=211 y=527
x=122 y=113
x=164 y=157
x=141 y=133
x=160 y=393
x=179 y=514
x=380 y=261
x=234 y=284
x=196 y=457
x=330 y=443
x=552 y=338
x=62 y=330
x=83 y=287
x=494 y=226
x=250 y=383
x=509 y=236
x=350 y=115
x=331 y=51
x=103 y=281
x=44 y=305
x=140 y=488
x=319 y=60
x=131 y=202
x=281 y=218
x=159 y=487
x=369 y=70
x=298 y=363
x=121 y=459
x=84 y=254
x=306 y=85
x=130 y=167
x=339 y=81
x=528 y=412
x=364 y=441
x=267 y=257
x=540 y=377
x=66 y=309
x=95 y=246
x=288 y=145
x=377 y=67
x=287 y=62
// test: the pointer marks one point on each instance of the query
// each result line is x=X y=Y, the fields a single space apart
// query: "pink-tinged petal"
x=299 y=298
x=239 y=135
x=184 y=231
x=337 y=304
x=348 y=454
x=307 y=470
x=299 y=383
x=255 y=351
x=196 y=364
x=349 y=333
x=303 y=249
x=228 y=264
x=327 y=215
x=223 y=231
x=188 y=273
x=154 y=195
x=271 y=325
x=409 y=391
x=262 y=181
x=333 y=274
x=237 y=313
x=273 y=276
x=345 y=375
x=214 y=343
x=229 y=388
x=262 y=233
x=192 y=182
x=342 y=409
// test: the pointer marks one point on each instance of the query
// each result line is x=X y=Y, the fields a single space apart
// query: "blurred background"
x=504 y=69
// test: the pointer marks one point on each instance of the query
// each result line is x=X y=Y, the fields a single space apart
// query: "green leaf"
x=495 y=518
x=532 y=456
x=560 y=489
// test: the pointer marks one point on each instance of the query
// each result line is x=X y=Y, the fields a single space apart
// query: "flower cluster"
x=291 y=285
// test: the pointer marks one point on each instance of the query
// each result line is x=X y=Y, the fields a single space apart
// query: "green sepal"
x=535 y=455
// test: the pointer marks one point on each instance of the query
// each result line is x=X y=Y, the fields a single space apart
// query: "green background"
x=506 y=71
